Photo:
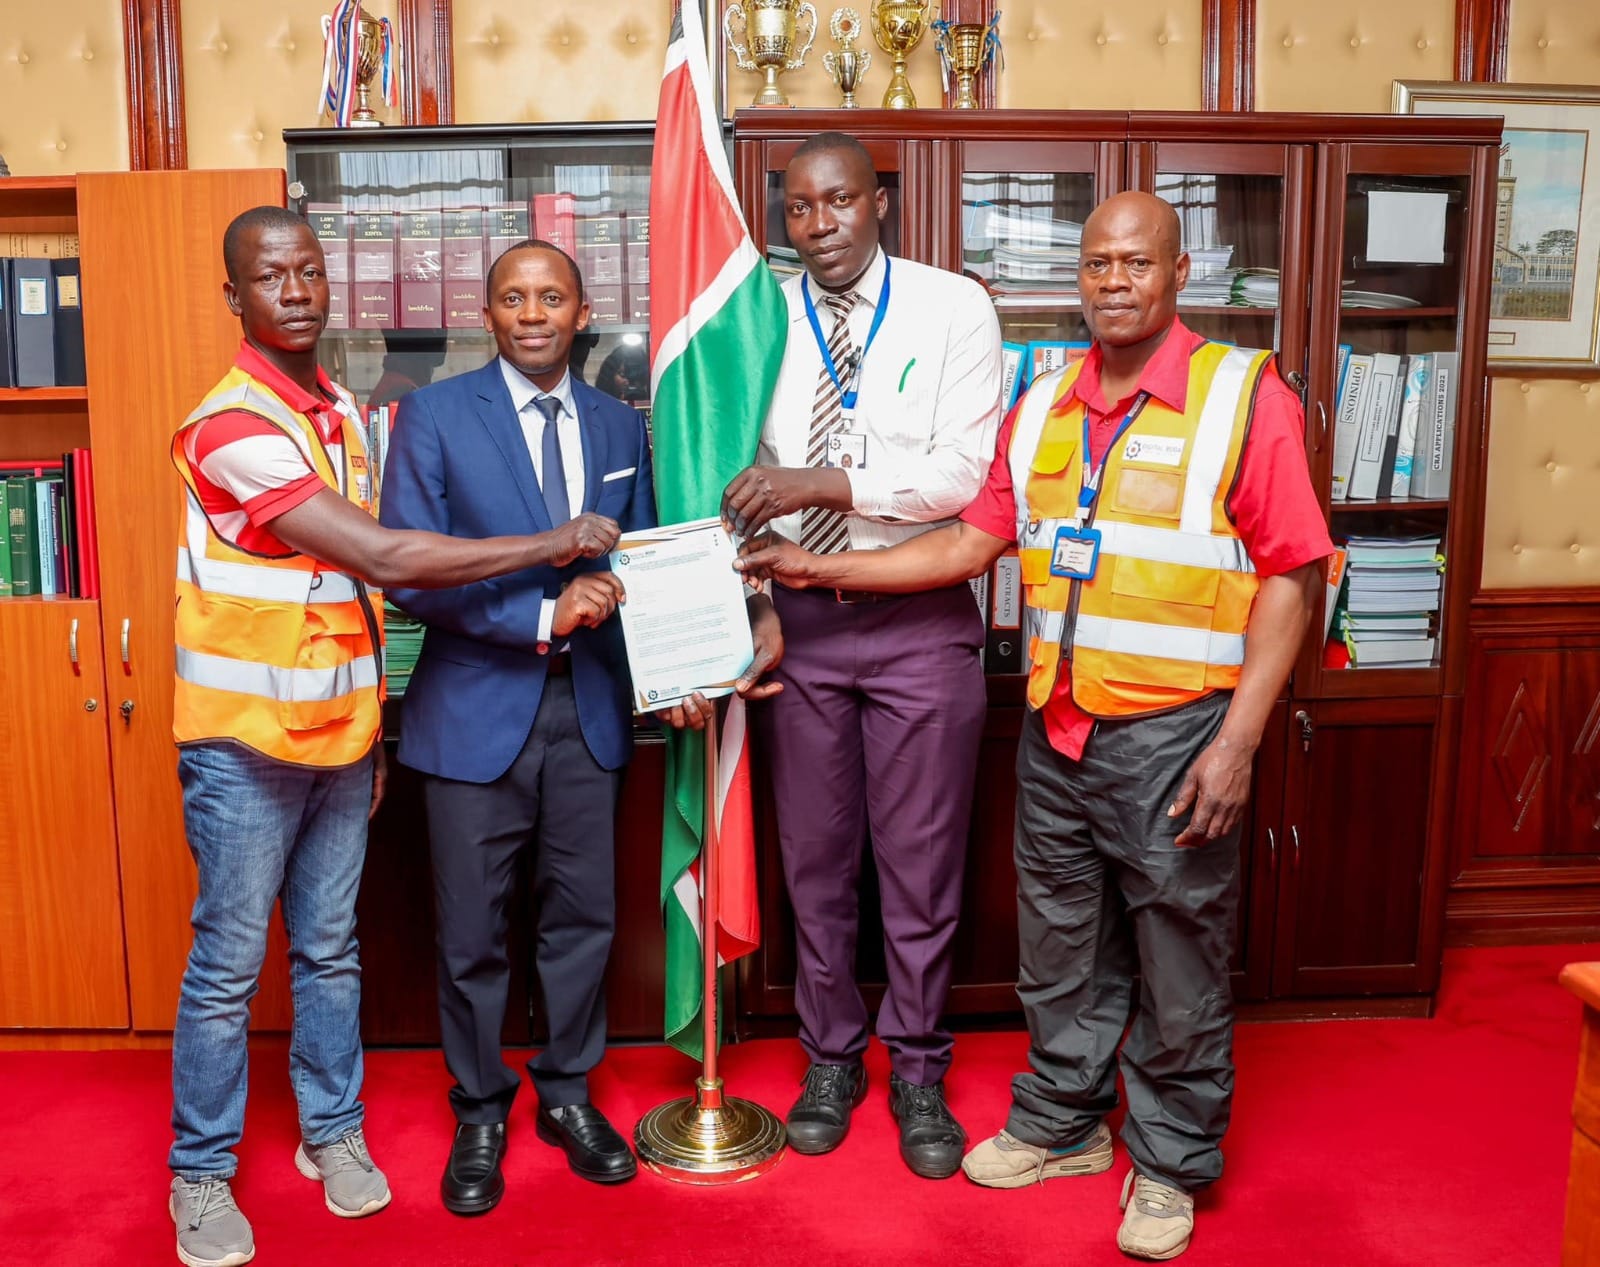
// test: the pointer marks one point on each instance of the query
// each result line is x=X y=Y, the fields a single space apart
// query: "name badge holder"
x=849 y=381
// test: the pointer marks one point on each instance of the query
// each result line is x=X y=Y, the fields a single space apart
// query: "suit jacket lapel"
x=504 y=428
x=593 y=437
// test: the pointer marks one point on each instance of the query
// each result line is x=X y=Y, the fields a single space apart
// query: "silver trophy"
x=847 y=66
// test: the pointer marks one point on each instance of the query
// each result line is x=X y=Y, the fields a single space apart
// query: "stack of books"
x=1013 y=251
x=784 y=261
x=1211 y=281
x=1256 y=288
x=1390 y=604
x=402 y=643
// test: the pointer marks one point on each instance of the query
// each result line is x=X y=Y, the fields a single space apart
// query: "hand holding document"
x=684 y=622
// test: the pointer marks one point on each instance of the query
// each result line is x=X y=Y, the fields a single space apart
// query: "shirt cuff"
x=870 y=496
x=547 y=619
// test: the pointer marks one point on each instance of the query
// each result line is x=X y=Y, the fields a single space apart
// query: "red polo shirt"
x=1273 y=505
x=247 y=472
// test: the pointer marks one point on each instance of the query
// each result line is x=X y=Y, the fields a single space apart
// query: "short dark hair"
x=257 y=218
x=532 y=244
x=834 y=143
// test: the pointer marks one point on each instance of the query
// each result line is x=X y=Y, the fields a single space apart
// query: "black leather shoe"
x=472 y=1182
x=820 y=1118
x=594 y=1149
x=931 y=1140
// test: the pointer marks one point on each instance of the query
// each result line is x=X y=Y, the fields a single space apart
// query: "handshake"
x=590 y=598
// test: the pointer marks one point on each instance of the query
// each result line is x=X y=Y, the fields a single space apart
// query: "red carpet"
x=1357 y=1143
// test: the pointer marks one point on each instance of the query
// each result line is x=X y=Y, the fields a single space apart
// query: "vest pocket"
x=1150 y=492
x=323 y=687
x=1149 y=596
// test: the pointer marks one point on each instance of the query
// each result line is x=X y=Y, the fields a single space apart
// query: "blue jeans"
x=259 y=831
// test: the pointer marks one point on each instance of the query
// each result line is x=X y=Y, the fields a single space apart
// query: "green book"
x=5 y=554
x=22 y=532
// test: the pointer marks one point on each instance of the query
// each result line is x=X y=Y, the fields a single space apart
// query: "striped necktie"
x=825 y=531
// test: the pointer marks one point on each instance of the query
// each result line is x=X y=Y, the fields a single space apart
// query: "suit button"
x=542 y=648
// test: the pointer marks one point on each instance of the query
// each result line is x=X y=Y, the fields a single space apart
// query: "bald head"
x=1131 y=267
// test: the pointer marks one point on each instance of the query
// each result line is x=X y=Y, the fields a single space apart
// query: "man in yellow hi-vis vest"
x=278 y=721
x=1170 y=544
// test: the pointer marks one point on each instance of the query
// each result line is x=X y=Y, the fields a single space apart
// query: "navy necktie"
x=554 y=471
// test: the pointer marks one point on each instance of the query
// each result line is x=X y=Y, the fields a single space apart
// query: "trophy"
x=965 y=48
x=763 y=34
x=897 y=25
x=351 y=34
x=849 y=64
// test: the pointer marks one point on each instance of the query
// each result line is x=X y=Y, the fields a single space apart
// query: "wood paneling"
x=158 y=336
x=1483 y=31
x=61 y=953
x=426 y=44
x=1228 y=55
x=152 y=40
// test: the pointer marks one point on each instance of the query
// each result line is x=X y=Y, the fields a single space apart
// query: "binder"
x=8 y=360
x=71 y=370
x=33 y=321
x=1011 y=376
x=1002 y=646
x=1419 y=374
x=1381 y=405
x=1436 y=433
x=1347 y=422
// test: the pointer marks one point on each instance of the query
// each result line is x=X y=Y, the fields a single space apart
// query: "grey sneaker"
x=211 y=1231
x=1005 y=1161
x=1157 y=1220
x=351 y=1185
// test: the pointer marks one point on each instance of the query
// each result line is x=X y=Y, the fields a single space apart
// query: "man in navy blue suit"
x=519 y=712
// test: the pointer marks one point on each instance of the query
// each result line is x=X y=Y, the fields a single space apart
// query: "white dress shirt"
x=523 y=394
x=929 y=402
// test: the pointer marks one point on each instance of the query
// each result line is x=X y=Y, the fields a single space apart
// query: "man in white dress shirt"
x=881 y=427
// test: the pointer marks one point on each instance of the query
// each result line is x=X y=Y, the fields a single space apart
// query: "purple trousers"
x=876 y=731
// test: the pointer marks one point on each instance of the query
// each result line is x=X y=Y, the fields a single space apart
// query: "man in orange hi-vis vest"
x=278 y=721
x=1170 y=544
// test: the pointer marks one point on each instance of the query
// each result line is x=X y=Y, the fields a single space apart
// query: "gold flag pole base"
x=709 y=1138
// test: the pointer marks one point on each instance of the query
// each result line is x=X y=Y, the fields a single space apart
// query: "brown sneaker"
x=1158 y=1220
x=1004 y=1161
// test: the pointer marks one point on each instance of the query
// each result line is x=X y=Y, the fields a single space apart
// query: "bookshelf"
x=1343 y=855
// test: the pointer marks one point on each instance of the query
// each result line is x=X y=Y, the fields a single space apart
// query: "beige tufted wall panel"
x=251 y=70
x=1544 y=484
x=1137 y=55
x=63 y=87
x=563 y=59
x=1554 y=42
x=1343 y=56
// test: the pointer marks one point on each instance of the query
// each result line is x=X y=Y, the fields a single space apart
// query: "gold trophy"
x=898 y=25
x=369 y=50
x=847 y=66
x=968 y=45
x=763 y=35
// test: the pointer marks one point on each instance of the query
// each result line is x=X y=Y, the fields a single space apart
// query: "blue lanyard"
x=847 y=396
x=1093 y=470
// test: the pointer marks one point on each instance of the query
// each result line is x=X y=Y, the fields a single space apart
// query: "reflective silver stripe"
x=1039 y=535
x=1046 y=626
x=1137 y=637
x=1212 y=438
x=1036 y=402
x=246 y=580
x=290 y=686
x=1168 y=545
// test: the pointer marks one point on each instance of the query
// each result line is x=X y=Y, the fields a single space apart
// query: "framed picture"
x=1544 y=312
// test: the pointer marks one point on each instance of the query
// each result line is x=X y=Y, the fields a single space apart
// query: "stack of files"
x=1392 y=591
x=1375 y=299
x=1014 y=250
x=1256 y=288
x=784 y=261
x=402 y=638
x=1211 y=281
x=1394 y=425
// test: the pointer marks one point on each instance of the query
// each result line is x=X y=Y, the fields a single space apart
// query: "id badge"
x=847 y=449
x=1076 y=553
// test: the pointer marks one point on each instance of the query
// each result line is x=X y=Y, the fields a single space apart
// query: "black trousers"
x=558 y=799
x=1103 y=893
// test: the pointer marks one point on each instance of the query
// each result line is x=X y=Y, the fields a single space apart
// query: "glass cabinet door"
x=1387 y=328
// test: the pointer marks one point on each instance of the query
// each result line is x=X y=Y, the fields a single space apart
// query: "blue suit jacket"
x=458 y=464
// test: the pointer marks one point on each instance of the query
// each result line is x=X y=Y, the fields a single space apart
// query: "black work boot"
x=931 y=1140
x=820 y=1118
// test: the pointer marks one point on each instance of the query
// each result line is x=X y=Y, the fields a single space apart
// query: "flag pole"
x=709 y=1138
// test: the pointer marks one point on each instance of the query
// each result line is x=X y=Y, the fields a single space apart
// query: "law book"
x=1011 y=383
x=1380 y=408
x=372 y=270
x=554 y=221
x=330 y=225
x=1002 y=646
x=504 y=225
x=91 y=547
x=463 y=267
x=22 y=536
x=5 y=544
x=49 y=246
x=420 y=270
x=71 y=367
x=33 y=321
x=636 y=266
x=1347 y=422
x=1436 y=433
x=605 y=304
x=47 y=515
x=8 y=365
x=600 y=249
x=1418 y=375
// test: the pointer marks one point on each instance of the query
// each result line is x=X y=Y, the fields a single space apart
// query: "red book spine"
x=94 y=530
x=81 y=519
